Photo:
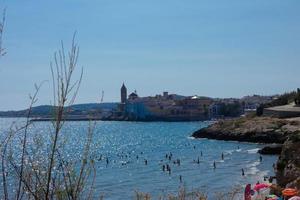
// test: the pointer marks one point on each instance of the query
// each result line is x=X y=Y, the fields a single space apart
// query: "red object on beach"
x=248 y=192
x=289 y=192
x=261 y=186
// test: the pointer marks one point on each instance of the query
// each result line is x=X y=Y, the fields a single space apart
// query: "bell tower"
x=123 y=94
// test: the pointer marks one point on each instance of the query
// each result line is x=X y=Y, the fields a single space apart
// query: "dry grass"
x=39 y=174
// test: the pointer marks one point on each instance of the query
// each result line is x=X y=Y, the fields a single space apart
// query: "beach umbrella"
x=260 y=186
x=289 y=192
x=295 y=198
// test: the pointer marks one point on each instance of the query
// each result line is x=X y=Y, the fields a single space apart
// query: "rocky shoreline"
x=256 y=129
x=285 y=133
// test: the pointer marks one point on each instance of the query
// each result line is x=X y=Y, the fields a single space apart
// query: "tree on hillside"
x=297 y=98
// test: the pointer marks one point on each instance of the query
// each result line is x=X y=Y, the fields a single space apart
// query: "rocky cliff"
x=288 y=164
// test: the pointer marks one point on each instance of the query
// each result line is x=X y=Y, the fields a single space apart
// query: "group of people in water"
x=165 y=163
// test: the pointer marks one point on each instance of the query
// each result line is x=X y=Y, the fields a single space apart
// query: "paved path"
x=289 y=108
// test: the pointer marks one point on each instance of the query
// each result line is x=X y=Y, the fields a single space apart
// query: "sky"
x=210 y=48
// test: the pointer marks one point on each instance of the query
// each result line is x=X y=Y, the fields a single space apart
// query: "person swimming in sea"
x=214 y=165
x=107 y=161
x=169 y=169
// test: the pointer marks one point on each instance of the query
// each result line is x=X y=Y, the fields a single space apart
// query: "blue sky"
x=212 y=48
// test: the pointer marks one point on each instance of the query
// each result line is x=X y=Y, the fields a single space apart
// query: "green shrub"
x=295 y=137
x=281 y=165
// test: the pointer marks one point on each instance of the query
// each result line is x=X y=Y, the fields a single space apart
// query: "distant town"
x=174 y=107
x=161 y=107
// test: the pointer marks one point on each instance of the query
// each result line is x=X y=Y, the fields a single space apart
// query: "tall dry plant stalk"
x=2 y=22
x=33 y=176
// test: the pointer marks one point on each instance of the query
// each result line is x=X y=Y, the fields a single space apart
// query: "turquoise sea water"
x=123 y=142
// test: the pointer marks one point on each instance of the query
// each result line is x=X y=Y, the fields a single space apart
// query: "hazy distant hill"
x=47 y=110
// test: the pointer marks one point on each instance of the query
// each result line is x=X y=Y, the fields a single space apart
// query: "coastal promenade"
x=285 y=111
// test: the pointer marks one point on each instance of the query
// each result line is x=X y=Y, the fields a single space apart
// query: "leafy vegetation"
x=231 y=109
x=297 y=98
x=283 y=99
x=295 y=137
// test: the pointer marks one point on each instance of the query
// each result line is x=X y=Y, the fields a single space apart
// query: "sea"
x=129 y=157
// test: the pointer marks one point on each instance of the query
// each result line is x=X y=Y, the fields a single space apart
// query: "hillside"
x=47 y=110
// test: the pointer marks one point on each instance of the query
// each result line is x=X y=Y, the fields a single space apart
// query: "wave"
x=191 y=138
x=253 y=151
x=252 y=168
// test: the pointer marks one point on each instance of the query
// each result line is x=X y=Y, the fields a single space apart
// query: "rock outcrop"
x=288 y=164
x=257 y=129
x=271 y=150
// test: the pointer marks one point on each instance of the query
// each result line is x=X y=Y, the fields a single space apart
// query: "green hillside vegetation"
x=47 y=110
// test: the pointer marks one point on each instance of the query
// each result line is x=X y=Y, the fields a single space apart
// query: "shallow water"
x=122 y=142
